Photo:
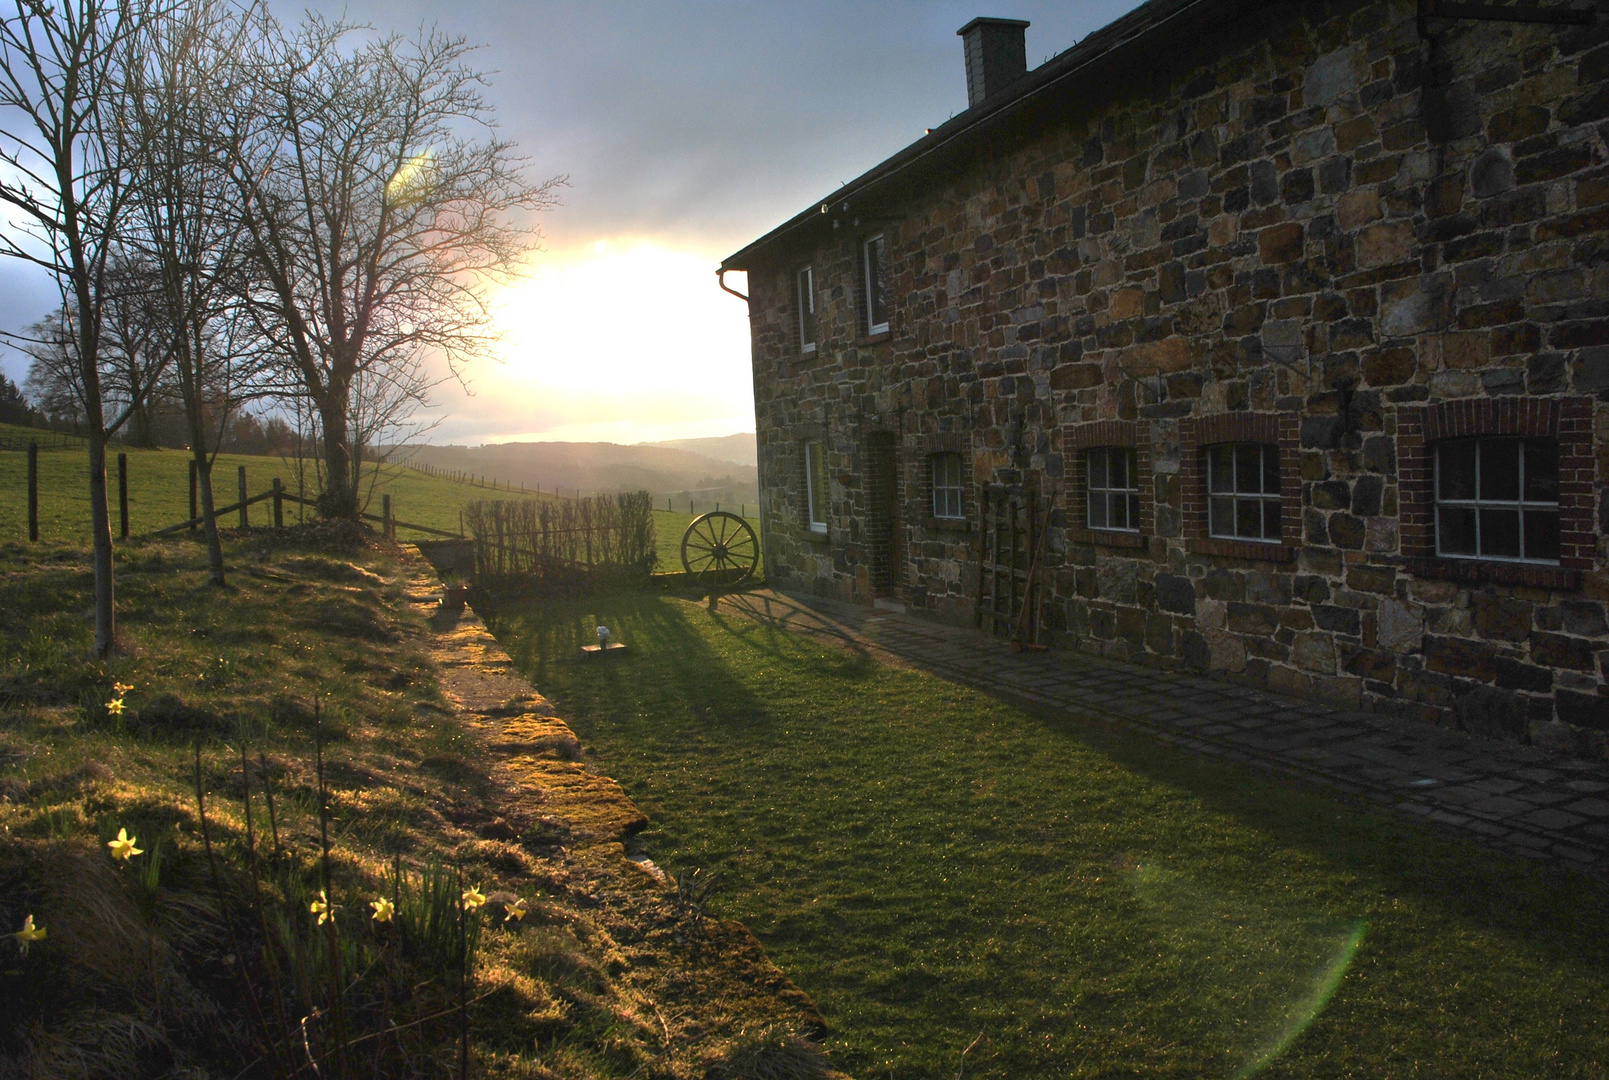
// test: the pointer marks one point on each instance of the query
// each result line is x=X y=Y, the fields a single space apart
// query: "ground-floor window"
x=816 y=487
x=1243 y=491
x=946 y=485
x=1498 y=498
x=1113 y=487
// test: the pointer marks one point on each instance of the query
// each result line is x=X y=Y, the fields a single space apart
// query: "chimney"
x=996 y=56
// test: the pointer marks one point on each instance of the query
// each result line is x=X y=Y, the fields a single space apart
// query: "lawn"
x=159 y=493
x=942 y=869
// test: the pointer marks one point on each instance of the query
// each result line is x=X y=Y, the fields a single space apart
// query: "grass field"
x=937 y=866
x=159 y=494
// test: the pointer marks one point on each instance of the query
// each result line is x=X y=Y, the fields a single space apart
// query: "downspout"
x=720 y=279
x=759 y=468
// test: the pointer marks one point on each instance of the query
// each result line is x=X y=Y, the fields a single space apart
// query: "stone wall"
x=1321 y=226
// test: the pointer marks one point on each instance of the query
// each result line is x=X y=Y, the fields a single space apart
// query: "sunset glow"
x=619 y=340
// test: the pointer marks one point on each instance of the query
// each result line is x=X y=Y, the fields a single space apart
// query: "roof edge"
x=1120 y=33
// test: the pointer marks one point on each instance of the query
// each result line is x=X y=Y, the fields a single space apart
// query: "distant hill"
x=738 y=449
x=664 y=469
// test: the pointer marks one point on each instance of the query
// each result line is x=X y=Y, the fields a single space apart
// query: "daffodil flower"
x=473 y=898
x=322 y=908
x=121 y=688
x=123 y=847
x=28 y=934
x=383 y=909
x=516 y=911
x=115 y=706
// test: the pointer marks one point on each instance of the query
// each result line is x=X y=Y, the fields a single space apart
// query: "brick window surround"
x=919 y=452
x=1566 y=420
x=1079 y=440
x=1196 y=433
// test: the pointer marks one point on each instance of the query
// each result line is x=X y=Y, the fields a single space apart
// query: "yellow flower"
x=473 y=898
x=517 y=911
x=322 y=908
x=28 y=934
x=121 y=688
x=383 y=909
x=115 y=706
x=123 y=847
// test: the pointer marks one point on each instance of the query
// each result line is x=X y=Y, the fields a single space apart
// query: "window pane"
x=1249 y=518
x=1271 y=524
x=1500 y=469
x=1456 y=469
x=1221 y=516
x=1455 y=530
x=1097 y=511
x=1500 y=533
x=1541 y=471
x=1097 y=468
x=1271 y=470
x=1248 y=468
x=876 y=284
x=1134 y=511
x=1119 y=515
x=1119 y=468
x=807 y=308
x=1542 y=534
x=1221 y=473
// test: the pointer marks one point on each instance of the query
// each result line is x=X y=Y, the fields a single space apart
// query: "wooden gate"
x=1011 y=554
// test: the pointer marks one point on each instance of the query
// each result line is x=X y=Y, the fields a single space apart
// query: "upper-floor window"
x=875 y=271
x=947 y=486
x=816 y=487
x=1498 y=498
x=1113 y=488
x=805 y=303
x=1243 y=491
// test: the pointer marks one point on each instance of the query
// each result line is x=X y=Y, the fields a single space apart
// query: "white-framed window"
x=1498 y=498
x=874 y=268
x=816 y=487
x=804 y=284
x=1243 y=491
x=947 y=488
x=1113 y=485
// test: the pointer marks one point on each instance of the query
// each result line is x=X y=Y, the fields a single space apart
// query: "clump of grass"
x=770 y=1052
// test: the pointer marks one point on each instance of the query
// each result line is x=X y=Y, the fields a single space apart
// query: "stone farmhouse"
x=1266 y=338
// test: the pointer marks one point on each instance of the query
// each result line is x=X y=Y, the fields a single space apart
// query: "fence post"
x=241 y=475
x=194 y=513
x=279 y=504
x=122 y=495
x=385 y=516
x=460 y=524
x=33 y=491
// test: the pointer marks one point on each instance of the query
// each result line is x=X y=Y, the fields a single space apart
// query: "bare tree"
x=63 y=174
x=185 y=95
x=380 y=206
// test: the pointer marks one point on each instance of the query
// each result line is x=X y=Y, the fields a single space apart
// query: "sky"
x=686 y=130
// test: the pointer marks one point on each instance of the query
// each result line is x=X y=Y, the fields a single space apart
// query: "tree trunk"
x=101 y=533
x=339 y=499
x=209 y=516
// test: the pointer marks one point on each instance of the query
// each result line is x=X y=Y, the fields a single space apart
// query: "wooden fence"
x=543 y=542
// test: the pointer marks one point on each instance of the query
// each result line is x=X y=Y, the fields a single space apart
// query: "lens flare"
x=412 y=178
x=1326 y=981
x=1258 y=968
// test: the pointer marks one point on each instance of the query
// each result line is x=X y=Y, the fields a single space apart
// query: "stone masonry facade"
x=1337 y=230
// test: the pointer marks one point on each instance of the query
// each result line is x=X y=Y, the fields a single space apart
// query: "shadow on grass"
x=929 y=859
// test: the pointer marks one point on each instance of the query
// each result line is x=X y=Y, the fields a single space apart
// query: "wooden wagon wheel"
x=720 y=547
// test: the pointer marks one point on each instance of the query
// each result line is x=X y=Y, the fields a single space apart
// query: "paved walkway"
x=1517 y=798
